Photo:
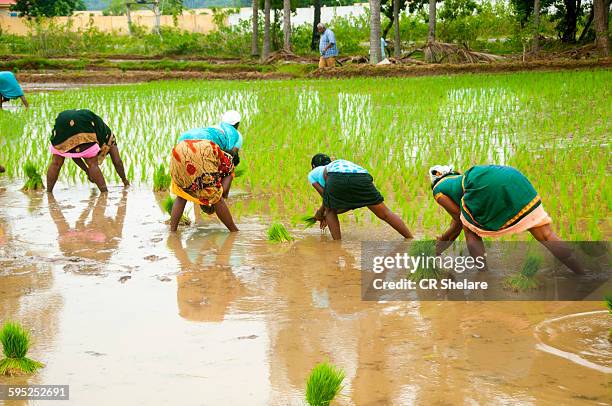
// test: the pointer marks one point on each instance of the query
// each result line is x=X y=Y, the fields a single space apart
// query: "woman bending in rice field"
x=493 y=201
x=84 y=137
x=197 y=168
x=345 y=186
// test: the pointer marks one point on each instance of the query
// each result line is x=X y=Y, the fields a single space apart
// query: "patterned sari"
x=197 y=168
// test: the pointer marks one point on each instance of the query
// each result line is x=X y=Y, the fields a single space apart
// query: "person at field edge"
x=327 y=47
x=10 y=89
x=227 y=137
x=197 y=168
x=345 y=186
x=493 y=201
x=84 y=137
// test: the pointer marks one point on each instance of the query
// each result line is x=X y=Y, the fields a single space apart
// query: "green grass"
x=462 y=119
x=34 y=180
x=324 y=383
x=278 y=233
x=608 y=301
x=15 y=345
x=161 y=179
x=526 y=278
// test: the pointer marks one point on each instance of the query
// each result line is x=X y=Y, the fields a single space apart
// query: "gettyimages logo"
x=507 y=271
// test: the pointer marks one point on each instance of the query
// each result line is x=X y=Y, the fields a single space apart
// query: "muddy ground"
x=126 y=313
x=349 y=70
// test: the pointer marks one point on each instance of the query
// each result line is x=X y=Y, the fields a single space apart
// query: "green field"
x=554 y=127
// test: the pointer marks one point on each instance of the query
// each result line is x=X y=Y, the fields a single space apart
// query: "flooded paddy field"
x=127 y=313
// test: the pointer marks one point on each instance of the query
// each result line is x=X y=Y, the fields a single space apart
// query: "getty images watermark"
x=506 y=271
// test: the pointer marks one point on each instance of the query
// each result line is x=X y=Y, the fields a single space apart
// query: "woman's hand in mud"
x=322 y=224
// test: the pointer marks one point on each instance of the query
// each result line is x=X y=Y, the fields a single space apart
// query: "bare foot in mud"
x=2 y=170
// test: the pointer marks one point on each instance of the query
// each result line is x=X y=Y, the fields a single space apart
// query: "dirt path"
x=356 y=70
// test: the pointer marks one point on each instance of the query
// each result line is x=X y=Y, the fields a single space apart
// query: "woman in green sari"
x=493 y=201
x=83 y=136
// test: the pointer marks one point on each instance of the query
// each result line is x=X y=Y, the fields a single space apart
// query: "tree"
x=315 y=22
x=266 y=43
x=287 y=25
x=47 y=8
x=431 y=33
x=601 y=12
x=397 y=50
x=536 y=27
x=375 y=54
x=255 y=34
x=566 y=13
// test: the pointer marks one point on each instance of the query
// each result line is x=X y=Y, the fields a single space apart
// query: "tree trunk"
x=266 y=43
x=397 y=49
x=601 y=17
x=570 y=21
x=317 y=19
x=431 y=36
x=375 y=54
x=536 y=27
x=255 y=35
x=287 y=25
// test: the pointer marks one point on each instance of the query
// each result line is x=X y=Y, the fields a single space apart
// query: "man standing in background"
x=327 y=47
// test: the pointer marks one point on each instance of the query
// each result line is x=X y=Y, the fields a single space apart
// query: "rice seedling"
x=493 y=122
x=525 y=279
x=308 y=221
x=239 y=172
x=608 y=302
x=425 y=270
x=34 y=180
x=167 y=204
x=161 y=179
x=278 y=233
x=323 y=384
x=15 y=345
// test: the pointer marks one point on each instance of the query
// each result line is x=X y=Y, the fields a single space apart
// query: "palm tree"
x=266 y=43
x=431 y=36
x=287 y=25
x=397 y=50
x=255 y=36
x=375 y=54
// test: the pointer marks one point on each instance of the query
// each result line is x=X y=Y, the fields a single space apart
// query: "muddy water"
x=126 y=314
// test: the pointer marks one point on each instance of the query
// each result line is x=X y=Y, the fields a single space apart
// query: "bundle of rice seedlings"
x=15 y=345
x=324 y=383
x=308 y=221
x=424 y=249
x=525 y=279
x=278 y=233
x=161 y=179
x=34 y=181
x=167 y=204
x=239 y=172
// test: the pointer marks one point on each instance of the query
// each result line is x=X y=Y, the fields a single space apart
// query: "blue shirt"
x=383 y=45
x=224 y=135
x=9 y=87
x=344 y=166
x=316 y=175
x=327 y=38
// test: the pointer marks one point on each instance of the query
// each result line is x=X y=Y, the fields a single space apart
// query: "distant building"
x=5 y=8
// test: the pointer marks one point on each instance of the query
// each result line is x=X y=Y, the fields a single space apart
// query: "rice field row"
x=554 y=127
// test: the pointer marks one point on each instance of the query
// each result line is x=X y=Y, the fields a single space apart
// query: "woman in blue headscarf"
x=10 y=89
x=226 y=136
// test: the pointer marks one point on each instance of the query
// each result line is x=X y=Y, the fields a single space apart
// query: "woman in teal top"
x=345 y=186
x=10 y=89
x=492 y=201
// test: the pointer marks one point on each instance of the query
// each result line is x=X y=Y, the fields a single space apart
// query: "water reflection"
x=206 y=285
x=95 y=236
